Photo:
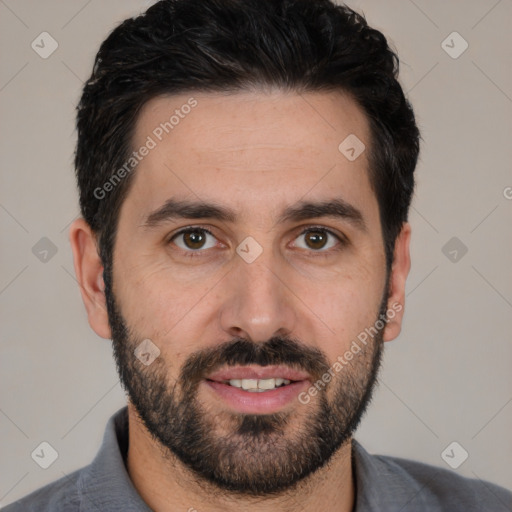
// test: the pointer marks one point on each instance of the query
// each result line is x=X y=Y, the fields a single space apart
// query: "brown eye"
x=319 y=240
x=316 y=239
x=193 y=239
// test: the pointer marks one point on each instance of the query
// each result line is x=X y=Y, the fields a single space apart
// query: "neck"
x=165 y=484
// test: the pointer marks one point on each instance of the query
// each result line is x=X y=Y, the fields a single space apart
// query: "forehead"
x=250 y=149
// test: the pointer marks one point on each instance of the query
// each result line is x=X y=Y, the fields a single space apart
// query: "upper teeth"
x=258 y=385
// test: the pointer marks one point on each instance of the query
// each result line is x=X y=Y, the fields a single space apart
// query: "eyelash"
x=197 y=253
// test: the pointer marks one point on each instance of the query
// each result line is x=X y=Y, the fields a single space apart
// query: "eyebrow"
x=174 y=209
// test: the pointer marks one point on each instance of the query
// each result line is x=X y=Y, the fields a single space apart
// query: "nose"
x=259 y=304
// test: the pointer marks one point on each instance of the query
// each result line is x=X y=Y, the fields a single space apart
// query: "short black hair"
x=180 y=46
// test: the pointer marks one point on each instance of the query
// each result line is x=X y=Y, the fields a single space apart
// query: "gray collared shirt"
x=384 y=484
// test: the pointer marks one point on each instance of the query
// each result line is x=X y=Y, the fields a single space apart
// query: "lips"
x=259 y=373
x=257 y=389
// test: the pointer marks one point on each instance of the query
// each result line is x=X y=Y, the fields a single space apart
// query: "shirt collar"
x=382 y=484
x=106 y=484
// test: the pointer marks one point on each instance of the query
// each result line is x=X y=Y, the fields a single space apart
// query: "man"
x=245 y=170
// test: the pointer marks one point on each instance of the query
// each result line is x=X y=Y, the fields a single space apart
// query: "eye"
x=317 y=238
x=194 y=239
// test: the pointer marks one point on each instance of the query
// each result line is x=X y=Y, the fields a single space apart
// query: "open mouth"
x=257 y=389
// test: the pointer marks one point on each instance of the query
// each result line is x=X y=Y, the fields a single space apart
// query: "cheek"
x=347 y=307
x=155 y=304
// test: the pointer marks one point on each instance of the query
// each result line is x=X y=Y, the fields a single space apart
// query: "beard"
x=247 y=454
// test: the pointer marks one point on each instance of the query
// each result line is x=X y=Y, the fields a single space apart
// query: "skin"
x=257 y=153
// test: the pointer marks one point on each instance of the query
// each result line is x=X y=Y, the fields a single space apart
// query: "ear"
x=89 y=274
x=399 y=272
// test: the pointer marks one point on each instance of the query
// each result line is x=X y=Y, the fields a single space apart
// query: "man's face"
x=255 y=301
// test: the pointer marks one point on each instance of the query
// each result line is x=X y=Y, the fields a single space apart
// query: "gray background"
x=447 y=378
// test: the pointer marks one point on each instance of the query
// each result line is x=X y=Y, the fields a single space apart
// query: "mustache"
x=276 y=351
